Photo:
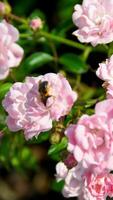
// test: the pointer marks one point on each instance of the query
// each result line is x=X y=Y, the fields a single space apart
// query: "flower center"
x=98 y=20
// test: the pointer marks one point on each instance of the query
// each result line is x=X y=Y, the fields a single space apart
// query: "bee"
x=44 y=90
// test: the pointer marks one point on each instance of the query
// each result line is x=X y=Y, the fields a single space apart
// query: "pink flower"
x=94 y=19
x=83 y=183
x=91 y=142
x=36 y=23
x=34 y=104
x=105 y=70
x=10 y=53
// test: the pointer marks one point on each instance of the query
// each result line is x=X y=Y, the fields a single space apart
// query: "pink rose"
x=10 y=53
x=94 y=19
x=82 y=183
x=91 y=142
x=34 y=104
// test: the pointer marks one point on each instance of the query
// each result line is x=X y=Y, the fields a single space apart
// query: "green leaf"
x=73 y=63
x=43 y=137
x=32 y=63
x=36 y=60
x=4 y=88
x=58 y=147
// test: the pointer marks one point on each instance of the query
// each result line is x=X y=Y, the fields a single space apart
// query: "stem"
x=17 y=18
x=86 y=53
x=62 y=40
x=25 y=35
x=78 y=80
x=52 y=46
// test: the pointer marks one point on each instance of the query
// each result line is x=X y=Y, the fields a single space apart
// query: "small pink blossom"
x=10 y=53
x=94 y=19
x=34 y=104
x=36 y=23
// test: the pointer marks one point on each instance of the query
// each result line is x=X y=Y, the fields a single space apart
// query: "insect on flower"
x=44 y=91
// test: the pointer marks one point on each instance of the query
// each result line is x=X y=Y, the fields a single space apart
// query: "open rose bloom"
x=33 y=105
x=94 y=19
x=11 y=53
x=95 y=149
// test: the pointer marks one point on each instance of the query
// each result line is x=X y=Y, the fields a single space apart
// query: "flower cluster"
x=90 y=142
x=85 y=184
x=94 y=19
x=33 y=105
x=10 y=53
